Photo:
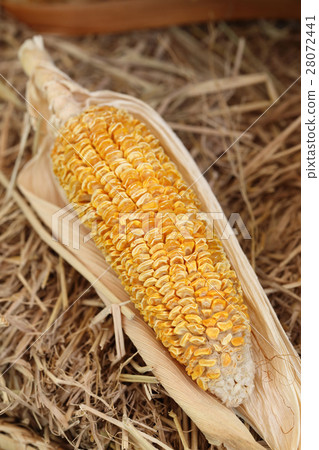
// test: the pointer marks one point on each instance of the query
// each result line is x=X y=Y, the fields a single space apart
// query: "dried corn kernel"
x=212 y=332
x=146 y=222
x=225 y=359
x=236 y=341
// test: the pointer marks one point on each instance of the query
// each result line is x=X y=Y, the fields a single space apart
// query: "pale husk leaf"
x=14 y=437
x=273 y=409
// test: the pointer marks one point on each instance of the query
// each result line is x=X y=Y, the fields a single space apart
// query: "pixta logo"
x=67 y=229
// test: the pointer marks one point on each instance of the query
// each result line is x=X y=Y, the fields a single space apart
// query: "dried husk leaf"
x=14 y=437
x=273 y=409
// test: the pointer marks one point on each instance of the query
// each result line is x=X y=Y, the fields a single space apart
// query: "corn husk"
x=273 y=409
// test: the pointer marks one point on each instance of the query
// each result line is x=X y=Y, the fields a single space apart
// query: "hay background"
x=75 y=361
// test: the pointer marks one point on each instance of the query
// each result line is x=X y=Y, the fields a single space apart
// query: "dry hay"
x=46 y=378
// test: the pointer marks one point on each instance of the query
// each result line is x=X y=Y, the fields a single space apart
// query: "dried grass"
x=71 y=388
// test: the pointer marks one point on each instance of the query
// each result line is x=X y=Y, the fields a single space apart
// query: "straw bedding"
x=76 y=362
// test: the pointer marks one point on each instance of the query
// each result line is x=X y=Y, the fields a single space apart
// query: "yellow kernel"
x=169 y=340
x=170 y=300
x=189 y=309
x=212 y=332
x=202 y=292
x=177 y=276
x=189 y=351
x=187 y=301
x=237 y=328
x=226 y=339
x=207 y=313
x=209 y=322
x=157 y=308
x=163 y=315
x=149 y=281
x=205 y=302
x=219 y=305
x=237 y=318
x=161 y=271
x=181 y=328
x=197 y=340
x=200 y=283
x=188 y=246
x=230 y=308
x=214 y=374
x=225 y=359
x=174 y=312
x=195 y=328
x=203 y=351
x=184 y=340
x=197 y=372
x=224 y=326
x=150 y=206
x=165 y=288
x=141 y=248
x=220 y=315
x=191 y=267
x=177 y=320
x=157 y=247
x=193 y=318
x=160 y=261
x=161 y=325
x=237 y=341
x=146 y=275
x=207 y=362
x=175 y=351
x=176 y=259
x=215 y=284
x=202 y=383
x=168 y=331
x=185 y=291
x=163 y=279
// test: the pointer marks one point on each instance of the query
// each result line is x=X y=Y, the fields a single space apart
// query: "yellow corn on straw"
x=273 y=408
x=146 y=221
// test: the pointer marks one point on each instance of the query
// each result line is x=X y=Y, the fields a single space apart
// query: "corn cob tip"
x=234 y=388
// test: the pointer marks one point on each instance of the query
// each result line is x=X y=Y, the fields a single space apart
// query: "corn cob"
x=117 y=175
